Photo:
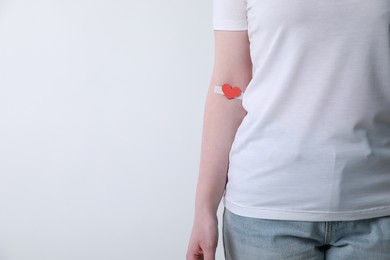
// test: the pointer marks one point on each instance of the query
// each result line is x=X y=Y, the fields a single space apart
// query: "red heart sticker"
x=230 y=92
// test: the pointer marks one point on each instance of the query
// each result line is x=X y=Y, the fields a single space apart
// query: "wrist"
x=205 y=212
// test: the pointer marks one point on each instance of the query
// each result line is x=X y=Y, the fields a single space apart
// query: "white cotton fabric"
x=315 y=143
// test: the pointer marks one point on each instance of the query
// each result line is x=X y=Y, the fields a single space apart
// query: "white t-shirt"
x=315 y=143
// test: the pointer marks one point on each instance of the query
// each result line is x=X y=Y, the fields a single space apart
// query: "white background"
x=101 y=113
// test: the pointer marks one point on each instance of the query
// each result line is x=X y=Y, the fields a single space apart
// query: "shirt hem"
x=291 y=215
x=229 y=25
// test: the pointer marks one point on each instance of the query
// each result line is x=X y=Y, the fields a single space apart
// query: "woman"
x=305 y=154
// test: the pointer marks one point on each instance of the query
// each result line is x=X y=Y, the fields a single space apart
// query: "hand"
x=204 y=239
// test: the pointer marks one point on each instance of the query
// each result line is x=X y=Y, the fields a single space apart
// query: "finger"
x=209 y=253
x=194 y=254
x=195 y=257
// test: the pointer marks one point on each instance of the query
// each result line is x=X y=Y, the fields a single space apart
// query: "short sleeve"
x=229 y=15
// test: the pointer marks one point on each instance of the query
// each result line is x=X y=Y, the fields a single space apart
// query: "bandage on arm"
x=228 y=91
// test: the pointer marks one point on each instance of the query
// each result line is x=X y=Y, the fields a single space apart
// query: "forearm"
x=222 y=117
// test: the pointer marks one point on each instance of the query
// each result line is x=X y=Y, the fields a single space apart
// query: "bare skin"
x=222 y=117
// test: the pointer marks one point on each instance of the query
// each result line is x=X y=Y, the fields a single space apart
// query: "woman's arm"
x=222 y=117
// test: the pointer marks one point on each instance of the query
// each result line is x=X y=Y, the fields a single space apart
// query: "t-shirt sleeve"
x=229 y=15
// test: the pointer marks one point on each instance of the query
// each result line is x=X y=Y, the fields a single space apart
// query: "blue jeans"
x=247 y=238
